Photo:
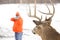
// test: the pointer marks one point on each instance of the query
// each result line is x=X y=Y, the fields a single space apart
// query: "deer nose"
x=33 y=32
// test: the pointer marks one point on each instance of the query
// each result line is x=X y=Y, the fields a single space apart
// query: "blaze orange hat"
x=17 y=13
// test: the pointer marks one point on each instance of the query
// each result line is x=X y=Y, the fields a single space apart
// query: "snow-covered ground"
x=7 y=11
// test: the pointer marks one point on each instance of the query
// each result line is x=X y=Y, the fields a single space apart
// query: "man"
x=17 y=27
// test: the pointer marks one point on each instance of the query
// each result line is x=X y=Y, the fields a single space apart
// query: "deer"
x=44 y=28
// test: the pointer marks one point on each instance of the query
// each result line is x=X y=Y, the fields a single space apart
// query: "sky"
x=7 y=11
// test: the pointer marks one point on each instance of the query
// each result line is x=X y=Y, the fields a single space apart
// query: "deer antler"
x=49 y=10
x=34 y=12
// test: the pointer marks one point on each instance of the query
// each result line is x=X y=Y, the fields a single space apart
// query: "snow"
x=7 y=11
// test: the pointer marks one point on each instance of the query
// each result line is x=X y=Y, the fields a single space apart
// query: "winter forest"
x=7 y=11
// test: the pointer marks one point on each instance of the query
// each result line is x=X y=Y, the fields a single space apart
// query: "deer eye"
x=38 y=27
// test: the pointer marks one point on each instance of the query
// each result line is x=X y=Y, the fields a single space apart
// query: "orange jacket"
x=18 y=23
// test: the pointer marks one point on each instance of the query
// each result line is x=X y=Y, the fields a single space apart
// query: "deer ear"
x=36 y=22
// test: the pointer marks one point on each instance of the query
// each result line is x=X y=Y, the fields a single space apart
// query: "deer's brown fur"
x=43 y=28
x=46 y=31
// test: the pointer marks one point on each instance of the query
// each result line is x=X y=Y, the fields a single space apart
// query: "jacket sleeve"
x=12 y=19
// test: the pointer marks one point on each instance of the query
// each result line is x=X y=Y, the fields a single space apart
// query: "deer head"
x=42 y=25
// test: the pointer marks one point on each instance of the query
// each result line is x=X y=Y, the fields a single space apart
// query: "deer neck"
x=49 y=34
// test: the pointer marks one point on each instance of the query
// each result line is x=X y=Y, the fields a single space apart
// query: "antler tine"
x=34 y=12
x=53 y=9
x=31 y=15
x=49 y=10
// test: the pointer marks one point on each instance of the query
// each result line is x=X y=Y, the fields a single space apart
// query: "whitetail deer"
x=43 y=28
